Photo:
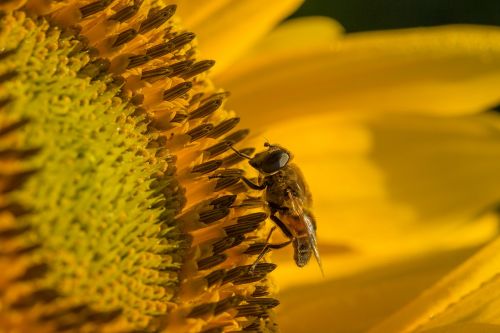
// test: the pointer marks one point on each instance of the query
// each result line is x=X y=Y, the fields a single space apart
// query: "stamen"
x=12 y=232
x=125 y=37
x=206 y=109
x=8 y=76
x=7 y=53
x=215 y=277
x=227 y=243
x=266 y=302
x=155 y=19
x=202 y=310
x=212 y=261
x=199 y=68
x=159 y=72
x=237 y=136
x=177 y=91
x=137 y=60
x=94 y=7
x=227 y=304
x=218 y=148
x=34 y=272
x=125 y=13
x=94 y=68
x=180 y=67
x=200 y=131
x=248 y=310
x=260 y=291
x=224 y=127
x=160 y=50
x=225 y=182
x=179 y=117
x=223 y=201
x=39 y=296
x=213 y=215
x=182 y=39
x=239 y=229
x=214 y=330
x=207 y=167
x=252 y=218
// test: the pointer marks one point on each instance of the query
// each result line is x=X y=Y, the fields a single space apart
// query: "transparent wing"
x=311 y=232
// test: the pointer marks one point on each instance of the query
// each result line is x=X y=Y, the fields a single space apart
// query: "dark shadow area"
x=364 y=15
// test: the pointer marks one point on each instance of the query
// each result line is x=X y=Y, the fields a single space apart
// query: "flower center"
x=138 y=218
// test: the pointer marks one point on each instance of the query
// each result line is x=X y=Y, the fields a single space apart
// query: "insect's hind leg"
x=268 y=246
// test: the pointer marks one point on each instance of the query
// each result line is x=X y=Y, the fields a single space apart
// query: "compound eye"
x=275 y=161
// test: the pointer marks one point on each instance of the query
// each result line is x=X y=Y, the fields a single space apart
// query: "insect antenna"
x=240 y=154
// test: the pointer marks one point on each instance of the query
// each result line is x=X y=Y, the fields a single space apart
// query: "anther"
x=94 y=7
x=12 y=232
x=13 y=126
x=94 y=68
x=200 y=131
x=250 y=310
x=206 y=109
x=266 y=302
x=232 y=274
x=8 y=76
x=227 y=243
x=198 y=68
x=125 y=13
x=160 y=50
x=213 y=215
x=39 y=296
x=7 y=53
x=218 y=148
x=227 y=304
x=252 y=218
x=125 y=37
x=179 y=117
x=249 y=278
x=212 y=261
x=240 y=228
x=215 y=277
x=182 y=39
x=180 y=67
x=137 y=60
x=224 y=127
x=260 y=291
x=34 y=272
x=223 y=201
x=177 y=91
x=3 y=102
x=159 y=72
x=207 y=167
x=214 y=330
x=201 y=310
x=238 y=135
x=156 y=19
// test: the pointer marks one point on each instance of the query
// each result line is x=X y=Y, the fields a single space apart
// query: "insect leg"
x=240 y=154
x=281 y=225
x=252 y=185
x=264 y=250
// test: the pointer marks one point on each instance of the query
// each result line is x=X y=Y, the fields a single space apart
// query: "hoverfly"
x=289 y=201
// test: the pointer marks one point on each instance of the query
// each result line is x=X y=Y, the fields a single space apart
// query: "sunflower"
x=121 y=206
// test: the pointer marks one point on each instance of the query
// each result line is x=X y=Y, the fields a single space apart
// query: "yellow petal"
x=380 y=198
x=442 y=70
x=468 y=295
x=356 y=302
x=227 y=29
